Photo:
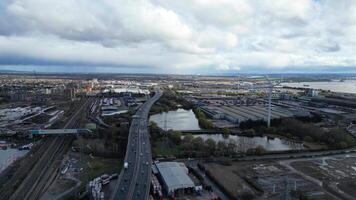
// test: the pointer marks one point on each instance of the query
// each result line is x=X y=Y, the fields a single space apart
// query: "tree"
x=155 y=131
x=231 y=146
x=175 y=137
x=271 y=130
x=204 y=123
x=210 y=144
x=225 y=132
x=188 y=138
x=187 y=146
x=153 y=125
x=199 y=114
x=198 y=143
x=221 y=147
x=250 y=132
x=308 y=139
x=341 y=145
x=260 y=150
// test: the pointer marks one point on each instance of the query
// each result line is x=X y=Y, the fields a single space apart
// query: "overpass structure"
x=59 y=132
x=134 y=180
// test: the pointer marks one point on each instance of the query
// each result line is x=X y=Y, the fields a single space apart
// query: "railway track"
x=45 y=171
x=49 y=175
x=25 y=165
x=37 y=177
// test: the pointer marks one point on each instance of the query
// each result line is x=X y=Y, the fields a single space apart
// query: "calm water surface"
x=347 y=86
x=245 y=143
x=185 y=120
x=176 y=120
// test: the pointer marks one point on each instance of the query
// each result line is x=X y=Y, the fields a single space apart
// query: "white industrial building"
x=174 y=177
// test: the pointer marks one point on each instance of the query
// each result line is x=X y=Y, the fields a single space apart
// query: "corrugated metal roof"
x=175 y=175
x=154 y=169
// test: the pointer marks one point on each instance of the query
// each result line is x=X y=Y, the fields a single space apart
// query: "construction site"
x=337 y=174
x=262 y=180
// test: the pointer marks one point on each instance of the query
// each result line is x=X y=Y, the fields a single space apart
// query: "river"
x=347 y=86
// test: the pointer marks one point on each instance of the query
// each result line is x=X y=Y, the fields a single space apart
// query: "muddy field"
x=337 y=174
x=263 y=180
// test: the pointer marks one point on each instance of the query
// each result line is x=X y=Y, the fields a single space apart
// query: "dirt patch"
x=337 y=173
x=262 y=180
x=310 y=169
x=227 y=177
x=348 y=187
x=60 y=186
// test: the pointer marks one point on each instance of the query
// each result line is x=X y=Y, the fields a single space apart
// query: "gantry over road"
x=134 y=181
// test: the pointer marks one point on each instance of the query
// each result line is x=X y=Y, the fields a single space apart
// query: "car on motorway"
x=126 y=165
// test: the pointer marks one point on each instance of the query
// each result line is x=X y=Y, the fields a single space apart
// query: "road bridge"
x=134 y=181
x=59 y=132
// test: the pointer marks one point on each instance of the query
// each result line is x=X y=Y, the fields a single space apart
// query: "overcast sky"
x=178 y=36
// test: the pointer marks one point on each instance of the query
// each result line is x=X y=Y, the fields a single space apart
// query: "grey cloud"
x=180 y=34
x=330 y=47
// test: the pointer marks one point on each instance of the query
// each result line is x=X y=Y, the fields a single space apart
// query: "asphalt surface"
x=134 y=182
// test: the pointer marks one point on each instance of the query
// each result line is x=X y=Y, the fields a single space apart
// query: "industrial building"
x=112 y=106
x=238 y=114
x=174 y=178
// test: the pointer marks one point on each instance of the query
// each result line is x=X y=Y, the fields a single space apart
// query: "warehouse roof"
x=175 y=175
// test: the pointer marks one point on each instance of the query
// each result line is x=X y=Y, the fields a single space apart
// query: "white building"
x=174 y=176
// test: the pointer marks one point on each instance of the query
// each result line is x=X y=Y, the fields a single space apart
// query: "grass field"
x=226 y=177
x=97 y=166
x=162 y=149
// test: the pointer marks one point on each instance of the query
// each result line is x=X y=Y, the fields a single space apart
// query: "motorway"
x=134 y=182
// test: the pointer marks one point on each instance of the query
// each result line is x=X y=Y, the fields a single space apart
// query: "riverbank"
x=347 y=86
x=170 y=101
x=184 y=142
x=252 y=137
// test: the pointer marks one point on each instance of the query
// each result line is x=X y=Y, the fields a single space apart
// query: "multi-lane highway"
x=134 y=181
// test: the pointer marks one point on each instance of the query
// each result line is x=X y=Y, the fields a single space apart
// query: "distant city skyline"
x=178 y=36
x=121 y=70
